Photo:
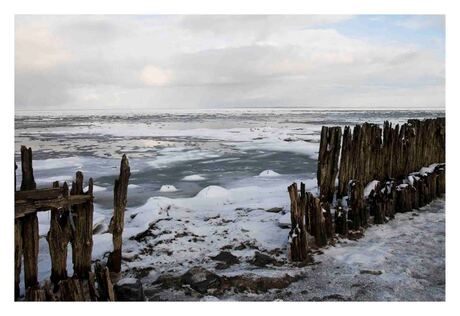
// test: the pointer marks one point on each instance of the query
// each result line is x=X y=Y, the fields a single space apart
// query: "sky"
x=80 y=62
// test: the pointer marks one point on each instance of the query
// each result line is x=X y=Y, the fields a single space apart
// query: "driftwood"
x=120 y=193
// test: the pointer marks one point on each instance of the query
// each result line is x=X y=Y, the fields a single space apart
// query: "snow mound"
x=133 y=186
x=213 y=191
x=268 y=173
x=168 y=188
x=193 y=177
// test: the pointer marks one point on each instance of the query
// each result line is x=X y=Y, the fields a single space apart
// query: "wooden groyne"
x=379 y=173
x=71 y=223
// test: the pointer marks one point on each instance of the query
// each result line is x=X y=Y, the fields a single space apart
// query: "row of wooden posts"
x=357 y=159
x=71 y=222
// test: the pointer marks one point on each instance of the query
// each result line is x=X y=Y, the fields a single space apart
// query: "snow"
x=213 y=192
x=168 y=188
x=268 y=173
x=133 y=186
x=193 y=177
x=285 y=220
x=369 y=187
x=425 y=170
x=171 y=156
x=55 y=163
x=127 y=281
x=96 y=188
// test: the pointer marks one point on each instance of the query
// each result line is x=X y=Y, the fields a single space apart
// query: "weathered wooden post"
x=341 y=220
x=17 y=248
x=328 y=160
x=30 y=234
x=357 y=213
x=120 y=195
x=298 y=234
x=82 y=241
x=58 y=238
x=346 y=162
x=102 y=273
x=318 y=222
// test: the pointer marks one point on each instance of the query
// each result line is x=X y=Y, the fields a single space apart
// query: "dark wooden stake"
x=120 y=193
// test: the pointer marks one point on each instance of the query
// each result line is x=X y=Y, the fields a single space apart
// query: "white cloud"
x=37 y=49
x=201 y=61
x=154 y=76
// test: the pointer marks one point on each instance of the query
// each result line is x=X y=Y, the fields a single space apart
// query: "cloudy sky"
x=131 y=62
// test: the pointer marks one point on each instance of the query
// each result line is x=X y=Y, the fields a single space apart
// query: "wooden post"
x=328 y=160
x=82 y=241
x=17 y=248
x=298 y=234
x=120 y=193
x=106 y=292
x=30 y=234
x=357 y=213
x=318 y=222
x=346 y=163
x=58 y=238
x=341 y=220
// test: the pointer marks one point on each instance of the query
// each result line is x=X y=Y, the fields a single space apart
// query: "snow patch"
x=166 y=188
x=193 y=177
x=268 y=173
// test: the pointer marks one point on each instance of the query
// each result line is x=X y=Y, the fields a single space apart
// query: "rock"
x=200 y=279
x=373 y=272
x=261 y=260
x=129 y=289
x=226 y=257
x=274 y=209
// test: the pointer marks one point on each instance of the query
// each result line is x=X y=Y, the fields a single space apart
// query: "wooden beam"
x=24 y=207
x=39 y=194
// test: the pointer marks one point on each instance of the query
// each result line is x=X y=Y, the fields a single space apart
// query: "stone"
x=129 y=289
x=200 y=279
x=226 y=257
x=261 y=260
x=274 y=209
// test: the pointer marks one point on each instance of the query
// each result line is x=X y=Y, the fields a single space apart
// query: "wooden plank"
x=38 y=194
x=24 y=207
